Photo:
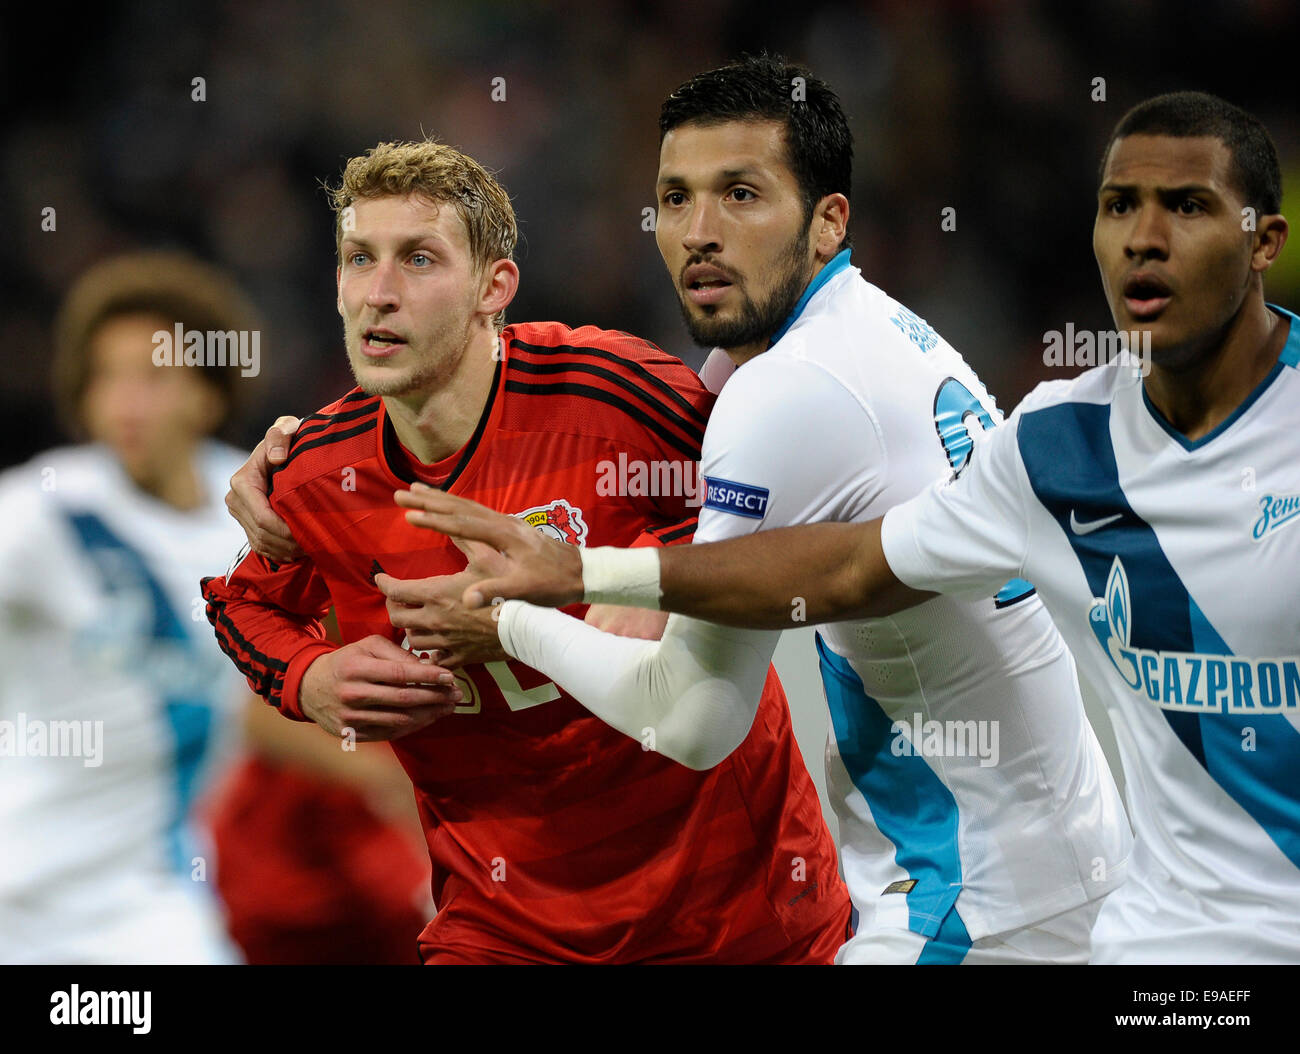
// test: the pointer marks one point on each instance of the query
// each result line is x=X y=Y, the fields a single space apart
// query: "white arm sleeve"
x=691 y=696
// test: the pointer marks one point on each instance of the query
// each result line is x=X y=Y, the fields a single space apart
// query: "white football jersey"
x=116 y=707
x=970 y=790
x=1173 y=570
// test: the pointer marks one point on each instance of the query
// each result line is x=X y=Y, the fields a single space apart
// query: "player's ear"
x=1270 y=236
x=500 y=283
x=830 y=225
x=338 y=288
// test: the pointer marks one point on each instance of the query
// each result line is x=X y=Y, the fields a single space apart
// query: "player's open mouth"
x=705 y=284
x=1146 y=295
x=379 y=343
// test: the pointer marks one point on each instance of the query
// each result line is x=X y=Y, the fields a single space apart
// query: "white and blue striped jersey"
x=1173 y=570
x=116 y=708
x=972 y=795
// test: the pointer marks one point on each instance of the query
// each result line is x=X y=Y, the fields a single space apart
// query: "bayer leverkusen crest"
x=558 y=520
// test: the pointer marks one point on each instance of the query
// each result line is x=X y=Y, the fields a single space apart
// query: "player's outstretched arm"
x=824 y=572
x=768 y=580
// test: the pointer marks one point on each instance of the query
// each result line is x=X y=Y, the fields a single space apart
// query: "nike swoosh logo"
x=1094 y=525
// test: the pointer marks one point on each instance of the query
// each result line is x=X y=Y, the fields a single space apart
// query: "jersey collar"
x=444 y=474
x=1291 y=349
x=839 y=262
x=1290 y=356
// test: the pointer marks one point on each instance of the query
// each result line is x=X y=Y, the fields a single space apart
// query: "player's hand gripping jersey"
x=552 y=836
x=1173 y=570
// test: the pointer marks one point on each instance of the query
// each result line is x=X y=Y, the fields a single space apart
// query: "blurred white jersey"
x=116 y=707
x=972 y=796
x=1172 y=568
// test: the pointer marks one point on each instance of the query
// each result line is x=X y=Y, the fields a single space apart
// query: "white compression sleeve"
x=623 y=577
x=695 y=692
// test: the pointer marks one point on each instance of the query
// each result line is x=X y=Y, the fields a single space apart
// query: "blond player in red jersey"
x=553 y=838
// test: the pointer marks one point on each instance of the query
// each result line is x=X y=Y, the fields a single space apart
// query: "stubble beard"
x=405 y=380
x=756 y=321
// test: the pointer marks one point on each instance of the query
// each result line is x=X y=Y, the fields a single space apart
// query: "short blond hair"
x=441 y=174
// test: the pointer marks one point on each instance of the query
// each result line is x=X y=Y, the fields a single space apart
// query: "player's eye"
x=674 y=198
x=357 y=259
x=421 y=259
x=742 y=194
x=1117 y=206
x=1190 y=207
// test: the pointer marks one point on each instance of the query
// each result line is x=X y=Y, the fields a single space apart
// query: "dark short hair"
x=170 y=285
x=763 y=88
x=1191 y=114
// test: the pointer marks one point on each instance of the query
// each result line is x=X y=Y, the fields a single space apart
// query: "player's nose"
x=703 y=232
x=1147 y=236
x=383 y=291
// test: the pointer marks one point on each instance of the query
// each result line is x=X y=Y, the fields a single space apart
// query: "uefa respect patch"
x=739 y=499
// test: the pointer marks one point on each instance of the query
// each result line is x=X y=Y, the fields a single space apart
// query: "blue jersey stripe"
x=910 y=805
x=123 y=570
x=1070 y=461
x=949 y=946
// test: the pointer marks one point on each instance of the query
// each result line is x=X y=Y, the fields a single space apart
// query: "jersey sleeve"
x=268 y=621
x=41 y=574
x=966 y=537
x=787 y=444
x=673 y=407
x=680 y=533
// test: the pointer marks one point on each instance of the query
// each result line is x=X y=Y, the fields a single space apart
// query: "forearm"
x=271 y=647
x=691 y=696
x=771 y=579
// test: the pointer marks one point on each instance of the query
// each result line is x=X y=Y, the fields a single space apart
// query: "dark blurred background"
x=985 y=107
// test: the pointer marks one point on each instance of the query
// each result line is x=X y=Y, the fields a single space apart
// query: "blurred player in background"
x=839 y=403
x=115 y=708
x=1157 y=517
x=321 y=852
x=553 y=837
x=116 y=716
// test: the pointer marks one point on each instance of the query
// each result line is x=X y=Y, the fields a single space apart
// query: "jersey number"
x=516 y=696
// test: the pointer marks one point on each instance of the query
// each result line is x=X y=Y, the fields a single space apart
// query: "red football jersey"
x=552 y=837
